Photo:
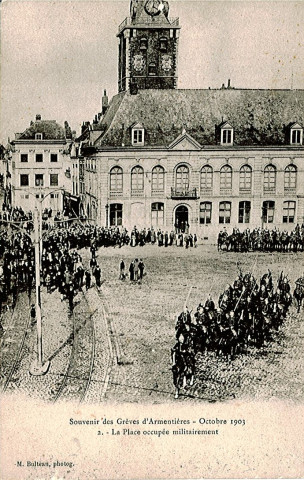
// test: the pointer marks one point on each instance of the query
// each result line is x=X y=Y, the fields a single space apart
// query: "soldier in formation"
x=262 y=239
x=248 y=313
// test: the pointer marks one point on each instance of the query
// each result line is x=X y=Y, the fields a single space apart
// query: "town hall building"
x=189 y=160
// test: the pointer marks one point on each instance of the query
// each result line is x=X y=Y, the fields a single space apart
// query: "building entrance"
x=181 y=219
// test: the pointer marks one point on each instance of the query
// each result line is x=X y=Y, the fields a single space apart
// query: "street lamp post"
x=107 y=215
x=38 y=367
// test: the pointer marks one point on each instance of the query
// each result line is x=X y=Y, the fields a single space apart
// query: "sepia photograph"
x=151 y=239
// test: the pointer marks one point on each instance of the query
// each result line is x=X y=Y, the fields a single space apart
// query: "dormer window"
x=143 y=43
x=226 y=134
x=296 y=134
x=138 y=135
x=163 y=44
x=38 y=136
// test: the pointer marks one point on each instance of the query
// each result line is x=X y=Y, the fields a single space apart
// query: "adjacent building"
x=42 y=169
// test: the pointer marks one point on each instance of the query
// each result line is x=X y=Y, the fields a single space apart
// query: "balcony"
x=186 y=194
x=173 y=22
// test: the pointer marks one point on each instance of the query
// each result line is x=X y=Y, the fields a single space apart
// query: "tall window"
x=206 y=178
x=24 y=157
x=269 y=178
x=268 y=211
x=244 y=212
x=157 y=214
x=137 y=180
x=152 y=69
x=116 y=175
x=226 y=177
x=290 y=177
x=39 y=157
x=225 y=212
x=205 y=212
x=24 y=180
x=39 y=180
x=245 y=177
x=115 y=214
x=289 y=212
x=158 y=179
x=54 y=179
x=182 y=178
x=54 y=157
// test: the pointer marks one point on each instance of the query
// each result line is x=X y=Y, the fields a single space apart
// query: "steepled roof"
x=258 y=117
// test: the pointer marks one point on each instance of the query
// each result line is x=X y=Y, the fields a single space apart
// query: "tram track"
x=78 y=375
x=115 y=357
x=11 y=358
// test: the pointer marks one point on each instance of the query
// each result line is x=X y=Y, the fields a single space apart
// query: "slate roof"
x=50 y=129
x=258 y=117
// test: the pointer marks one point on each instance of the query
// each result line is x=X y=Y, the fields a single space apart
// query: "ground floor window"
x=225 y=212
x=115 y=214
x=157 y=214
x=268 y=211
x=244 y=212
x=205 y=212
x=289 y=211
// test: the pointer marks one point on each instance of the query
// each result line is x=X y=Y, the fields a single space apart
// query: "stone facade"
x=41 y=166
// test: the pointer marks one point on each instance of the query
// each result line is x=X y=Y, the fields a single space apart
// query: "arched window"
x=116 y=180
x=226 y=177
x=143 y=43
x=137 y=180
x=182 y=178
x=157 y=214
x=269 y=178
x=245 y=178
x=158 y=179
x=289 y=212
x=290 y=177
x=205 y=212
x=163 y=44
x=225 y=212
x=206 y=179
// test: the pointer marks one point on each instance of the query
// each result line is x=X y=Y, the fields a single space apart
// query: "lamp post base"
x=37 y=369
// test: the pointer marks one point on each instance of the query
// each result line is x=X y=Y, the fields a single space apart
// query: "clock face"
x=166 y=63
x=153 y=7
x=138 y=63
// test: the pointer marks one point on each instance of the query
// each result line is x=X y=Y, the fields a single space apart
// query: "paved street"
x=134 y=324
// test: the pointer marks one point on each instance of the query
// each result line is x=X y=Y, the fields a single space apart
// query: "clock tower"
x=148 y=47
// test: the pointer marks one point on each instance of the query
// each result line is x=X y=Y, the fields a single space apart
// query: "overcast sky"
x=58 y=56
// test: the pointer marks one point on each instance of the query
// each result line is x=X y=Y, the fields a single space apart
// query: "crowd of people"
x=248 y=313
x=262 y=239
x=61 y=264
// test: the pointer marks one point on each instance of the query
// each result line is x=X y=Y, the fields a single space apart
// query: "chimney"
x=228 y=86
x=38 y=117
x=104 y=102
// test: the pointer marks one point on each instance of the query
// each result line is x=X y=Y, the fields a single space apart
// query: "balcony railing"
x=184 y=194
x=174 y=22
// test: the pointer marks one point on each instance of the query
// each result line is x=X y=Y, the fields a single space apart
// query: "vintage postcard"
x=151 y=239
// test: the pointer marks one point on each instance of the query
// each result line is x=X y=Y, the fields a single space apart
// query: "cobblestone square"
x=120 y=350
